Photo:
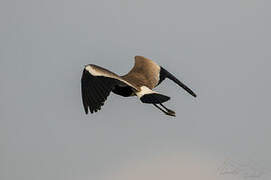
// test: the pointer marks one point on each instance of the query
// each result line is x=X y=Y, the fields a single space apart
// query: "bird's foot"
x=170 y=113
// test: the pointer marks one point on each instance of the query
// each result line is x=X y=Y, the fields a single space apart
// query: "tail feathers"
x=154 y=98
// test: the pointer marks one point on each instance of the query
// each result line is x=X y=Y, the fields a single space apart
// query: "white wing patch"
x=144 y=90
x=95 y=72
x=92 y=71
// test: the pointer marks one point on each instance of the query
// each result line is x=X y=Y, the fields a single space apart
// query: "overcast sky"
x=221 y=49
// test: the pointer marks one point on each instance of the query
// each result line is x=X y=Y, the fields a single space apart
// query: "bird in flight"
x=97 y=83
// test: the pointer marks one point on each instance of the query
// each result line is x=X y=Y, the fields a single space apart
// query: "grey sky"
x=221 y=49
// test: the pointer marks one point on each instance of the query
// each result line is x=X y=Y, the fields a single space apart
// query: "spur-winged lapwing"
x=97 y=83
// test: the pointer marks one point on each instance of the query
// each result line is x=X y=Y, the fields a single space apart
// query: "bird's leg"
x=168 y=112
x=160 y=108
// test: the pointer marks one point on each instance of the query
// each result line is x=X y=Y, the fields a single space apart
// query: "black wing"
x=96 y=85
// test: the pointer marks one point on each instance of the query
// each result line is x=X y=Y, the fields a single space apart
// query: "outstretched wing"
x=96 y=85
x=145 y=72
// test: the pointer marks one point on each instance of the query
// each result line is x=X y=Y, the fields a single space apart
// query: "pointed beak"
x=177 y=81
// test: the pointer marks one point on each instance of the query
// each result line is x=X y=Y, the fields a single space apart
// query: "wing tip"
x=86 y=109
